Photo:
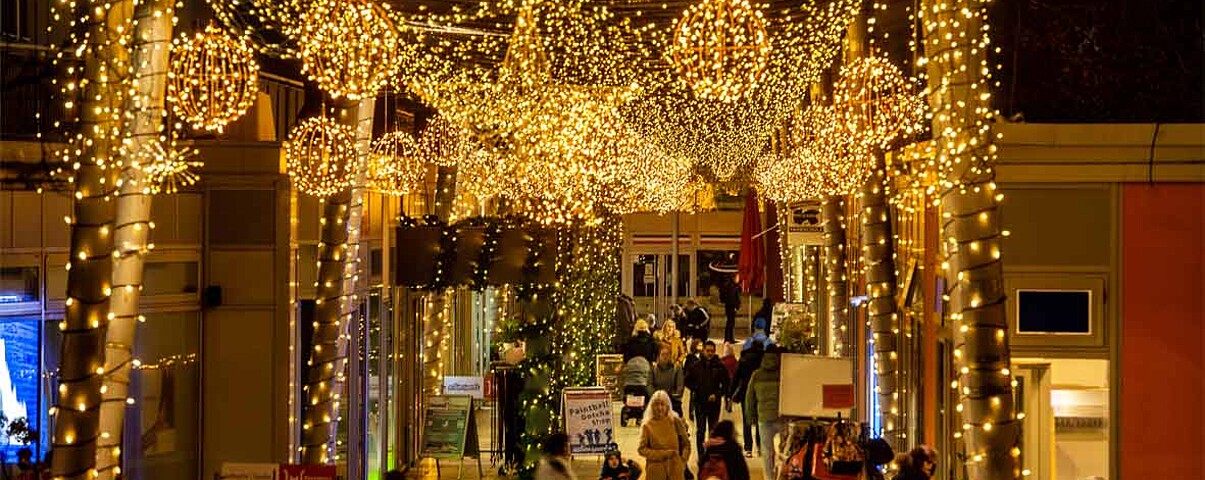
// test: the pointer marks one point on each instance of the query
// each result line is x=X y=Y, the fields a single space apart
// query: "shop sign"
x=804 y=224
x=588 y=420
x=608 y=369
x=307 y=472
x=471 y=386
x=249 y=471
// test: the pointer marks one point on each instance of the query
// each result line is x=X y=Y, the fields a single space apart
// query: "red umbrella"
x=752 y=264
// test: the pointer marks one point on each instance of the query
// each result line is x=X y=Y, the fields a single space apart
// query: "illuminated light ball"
x=213 y=79
x=350 y=47
x=721 y=49
x=167 y=166
x=876 y=103
x=819 y=160
x=482 y=174
x=444 y=143
x=395 y=166
x=321 y=156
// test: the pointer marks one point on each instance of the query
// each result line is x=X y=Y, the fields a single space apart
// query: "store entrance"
x=653 y=282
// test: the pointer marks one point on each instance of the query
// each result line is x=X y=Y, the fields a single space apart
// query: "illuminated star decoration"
x=167 y=167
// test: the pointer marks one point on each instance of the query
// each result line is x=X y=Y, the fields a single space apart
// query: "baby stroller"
x=635 y=389
x=635 y=399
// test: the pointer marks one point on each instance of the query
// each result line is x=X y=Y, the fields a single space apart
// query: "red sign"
x=307 y=472
x=838 y=397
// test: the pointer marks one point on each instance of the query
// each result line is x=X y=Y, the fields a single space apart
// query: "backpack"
x=714 y=467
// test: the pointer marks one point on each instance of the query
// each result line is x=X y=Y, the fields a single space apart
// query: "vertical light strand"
x=956 y=48
x=103 y=53
x=833 y=220
x=144 y=114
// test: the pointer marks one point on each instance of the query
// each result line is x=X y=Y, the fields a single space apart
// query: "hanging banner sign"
x=589 y=420
x=803 y=224
x=471 y=386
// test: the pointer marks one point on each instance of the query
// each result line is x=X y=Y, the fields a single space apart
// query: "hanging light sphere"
x=721 y=49
x=320 y=156
x=444 y=143
x=818 y=159
x=350 y=47
x=213 y=79
x=395 y=165
x=875 y=103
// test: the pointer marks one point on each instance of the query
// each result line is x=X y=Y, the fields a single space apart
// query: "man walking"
x=698 y=321
x=708 y=383
x=762 y=394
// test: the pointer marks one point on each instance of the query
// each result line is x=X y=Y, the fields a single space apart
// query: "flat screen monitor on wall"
x=1057 y=312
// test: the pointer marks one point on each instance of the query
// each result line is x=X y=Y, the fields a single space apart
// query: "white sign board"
x=471 y=386
x=816 y=386
x=803 y=224
x=249 y=471
x=589 y=420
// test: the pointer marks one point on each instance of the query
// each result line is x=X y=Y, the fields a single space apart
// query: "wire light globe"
x=213 y=79
x=350 y=47
x=395 y=166
x=876 y=104
x=721 y=49
x=444 y=143
x=321 y=156
x=818 y=159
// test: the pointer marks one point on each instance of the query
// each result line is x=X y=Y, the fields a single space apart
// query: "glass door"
x=653 y=283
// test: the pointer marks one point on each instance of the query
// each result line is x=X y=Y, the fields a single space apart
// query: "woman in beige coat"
x=664 y=440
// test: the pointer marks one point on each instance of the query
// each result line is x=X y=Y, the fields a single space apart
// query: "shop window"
x=19 y=285
x=163 y=430
x=169 y=278
x=1054 y=312
x=19 y=376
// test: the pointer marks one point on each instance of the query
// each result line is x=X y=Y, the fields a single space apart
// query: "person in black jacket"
x=722 y=446
x=708 y=383
x=730 y=296
x=750 y=361
x=642 y=344
x=698 y=321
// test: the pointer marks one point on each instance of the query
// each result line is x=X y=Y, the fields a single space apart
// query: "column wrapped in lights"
x=153 y=21
x=337 y=299
x=878 y=268
x=956 y=48
x=94 y=158
x=832 y=210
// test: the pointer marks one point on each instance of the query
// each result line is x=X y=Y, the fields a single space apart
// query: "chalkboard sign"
x=608 y=369
x=446 y=426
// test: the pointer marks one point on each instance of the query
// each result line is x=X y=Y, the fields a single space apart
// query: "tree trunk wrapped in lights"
x=833 y=221
x=143 y=125
x=101 y=90
x=878 y=259
x=956 y=44
x=338 y=277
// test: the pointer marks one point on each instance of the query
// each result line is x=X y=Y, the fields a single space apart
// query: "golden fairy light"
x=321 y=156
x=818 y=159
x=167 y=166
x=721 y=49
x=350 y=47
x=395 y=165
x=213 y=79
x=876 y=103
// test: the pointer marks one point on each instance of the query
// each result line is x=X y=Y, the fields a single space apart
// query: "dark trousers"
x=707 y=414
x=750 y=437
x=730 y=327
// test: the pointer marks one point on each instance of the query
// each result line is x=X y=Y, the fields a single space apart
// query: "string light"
x=444 y=143
x=213 y=79
x=320 y=154
x=350 y=47
x=721 y=48
x=395 y=165
x=818 y=160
